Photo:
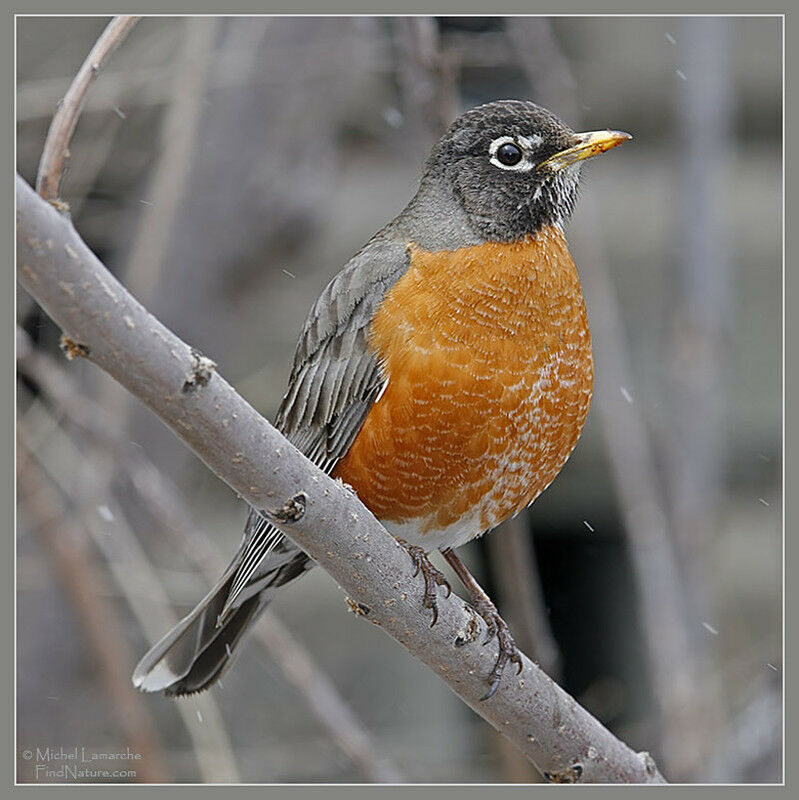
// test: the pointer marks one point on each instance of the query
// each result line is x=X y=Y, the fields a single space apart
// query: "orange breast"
x=488 y=358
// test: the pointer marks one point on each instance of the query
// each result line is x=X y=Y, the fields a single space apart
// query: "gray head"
x=513 y=167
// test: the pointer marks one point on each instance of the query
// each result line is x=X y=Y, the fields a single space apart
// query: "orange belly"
x=488 y=358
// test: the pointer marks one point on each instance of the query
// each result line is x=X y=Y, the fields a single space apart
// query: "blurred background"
x=225 y=169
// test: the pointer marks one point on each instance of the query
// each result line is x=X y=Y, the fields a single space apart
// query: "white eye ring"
x=524 y=143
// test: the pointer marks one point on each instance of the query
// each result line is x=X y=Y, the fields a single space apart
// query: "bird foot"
x=508 y=652
x=432 y=577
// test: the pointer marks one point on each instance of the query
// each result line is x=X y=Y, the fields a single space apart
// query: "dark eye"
x=509 y=154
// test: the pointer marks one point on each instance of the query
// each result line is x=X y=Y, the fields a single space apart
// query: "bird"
x=445 y=374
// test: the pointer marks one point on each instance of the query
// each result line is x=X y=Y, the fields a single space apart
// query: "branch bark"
x=105 y=324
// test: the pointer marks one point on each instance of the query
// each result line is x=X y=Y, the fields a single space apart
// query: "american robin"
x=445 y=374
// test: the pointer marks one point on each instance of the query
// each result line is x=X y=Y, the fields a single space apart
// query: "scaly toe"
x=432 y=577
x=508 y=652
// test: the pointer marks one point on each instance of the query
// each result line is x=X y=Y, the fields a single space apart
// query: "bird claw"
x=432 y=577
x=508 y=652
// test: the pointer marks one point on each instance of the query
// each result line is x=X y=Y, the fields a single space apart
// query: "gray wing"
x=334 y=381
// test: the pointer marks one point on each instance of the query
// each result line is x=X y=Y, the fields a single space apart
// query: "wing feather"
x=334 y=381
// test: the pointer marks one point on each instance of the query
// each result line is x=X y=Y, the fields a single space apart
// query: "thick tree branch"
x=104 y=323
x=153 y=490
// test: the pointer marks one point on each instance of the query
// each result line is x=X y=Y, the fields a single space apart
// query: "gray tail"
x=198 y=650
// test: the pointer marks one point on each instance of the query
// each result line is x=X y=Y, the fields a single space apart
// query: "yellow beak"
x=588 y=145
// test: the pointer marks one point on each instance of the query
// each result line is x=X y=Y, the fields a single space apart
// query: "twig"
x=56 y=147
x=110 y=328
x=77 y=570
x=145 y=87
x=155 y=492
x=657 y=574
x=92 y=165
x=521 y=602
x=323 y=699
x=207 y=734
x=141 y=87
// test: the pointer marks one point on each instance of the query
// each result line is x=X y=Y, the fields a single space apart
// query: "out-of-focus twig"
x=427 y=76
x=658 y=580
x=752 y=738
x=324 y=700
x=156 y=493
x=685 y=709
x=171 y=173
x=704 y=313
x=521 y=601
x=90 y=167
x=144 y=87
x=146 y=597
x=206 y=730
x=78 y=571
x=56 y=149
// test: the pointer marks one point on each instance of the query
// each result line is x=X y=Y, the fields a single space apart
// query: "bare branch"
x=155 y=492
x=76 y=568
x=56 y=148
x=105 y=324
x=149 y=604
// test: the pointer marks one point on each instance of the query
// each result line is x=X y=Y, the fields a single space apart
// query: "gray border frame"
x=356 y=7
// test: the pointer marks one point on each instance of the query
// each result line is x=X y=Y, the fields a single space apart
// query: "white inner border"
x=523 y=143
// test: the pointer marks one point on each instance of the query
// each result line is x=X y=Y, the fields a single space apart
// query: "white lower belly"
x=454 y=535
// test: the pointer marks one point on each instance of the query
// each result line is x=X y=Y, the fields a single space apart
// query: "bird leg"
x=432 y=577
x=496 y=625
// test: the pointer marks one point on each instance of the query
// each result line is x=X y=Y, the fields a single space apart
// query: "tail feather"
x=198 y=650
x=218 y=655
